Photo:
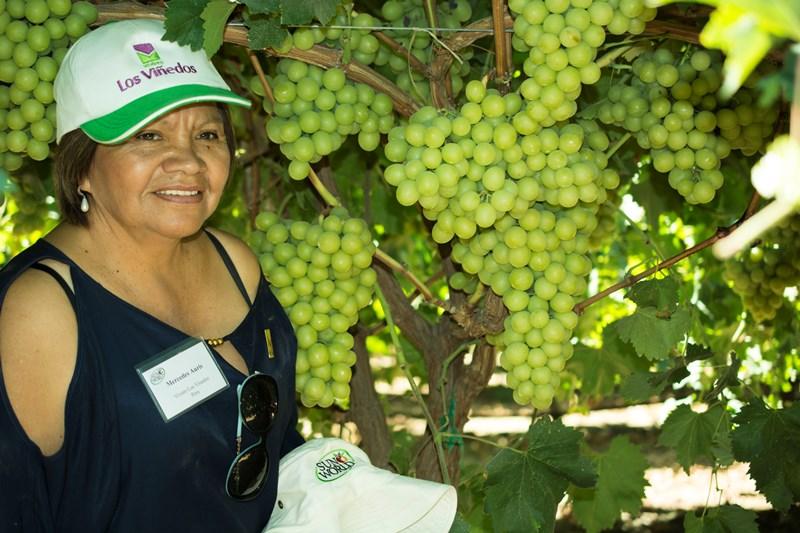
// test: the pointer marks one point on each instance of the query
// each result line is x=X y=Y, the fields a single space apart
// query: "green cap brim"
x=117 y=126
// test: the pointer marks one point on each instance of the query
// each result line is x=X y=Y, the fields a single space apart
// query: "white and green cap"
x=123 y=75
x=330 y=485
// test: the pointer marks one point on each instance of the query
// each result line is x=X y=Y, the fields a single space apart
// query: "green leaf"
x=215 y=17
x=659 y=293
x=524 y=488
x=641 y=386
x=694 y=435
x=620 y=487
x=723 y=519
x=769 y=439
x=263 y=7
x=265 y=32
x=598 y=368
x=303 y=12
x=460 y=525
x=654 y=332
x=183 y=22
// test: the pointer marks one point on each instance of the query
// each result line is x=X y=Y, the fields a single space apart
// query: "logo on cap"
x=334 y=465
x=147 y=54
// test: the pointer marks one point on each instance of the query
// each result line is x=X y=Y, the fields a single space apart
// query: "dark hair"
x=74 y=158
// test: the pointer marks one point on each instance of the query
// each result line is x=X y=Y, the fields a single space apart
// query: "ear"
x=85 y=184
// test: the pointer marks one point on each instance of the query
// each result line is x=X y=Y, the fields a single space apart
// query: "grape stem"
x=380 y=255
x=430 y=12
x=403 y=363
x=401 y=50
x=395 y=265
x=617 y=145
x=323 y=191
x=609 y=57
x=632 y=280
x=261 y=77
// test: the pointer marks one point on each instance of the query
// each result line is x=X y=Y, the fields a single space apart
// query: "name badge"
x=182 y=377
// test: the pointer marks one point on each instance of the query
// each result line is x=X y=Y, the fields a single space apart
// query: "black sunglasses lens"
x=259 y=403
x=248 y=472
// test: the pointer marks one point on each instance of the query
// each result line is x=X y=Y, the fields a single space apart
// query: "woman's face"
x=166 y=180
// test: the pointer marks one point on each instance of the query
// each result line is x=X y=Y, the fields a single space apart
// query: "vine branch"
x=502 y=58
x=632 y=280
x=261 y=77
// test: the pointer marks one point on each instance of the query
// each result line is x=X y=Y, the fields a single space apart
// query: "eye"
x=209 y=135
x=147 y=136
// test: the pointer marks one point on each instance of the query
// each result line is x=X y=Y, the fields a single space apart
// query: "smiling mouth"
x=177 y=195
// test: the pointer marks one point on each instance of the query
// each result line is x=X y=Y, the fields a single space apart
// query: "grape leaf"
x=215 y=17
x=652 y=332
x=694 y=435
x=265 y=32
x=723 y=519
x=620 y=487
x=460 y=525
x=182 y=22
x=659 y=293
x=769 y=439
x=303 y=12
x=598 y=368
x=263 y=7
x=640 y=386
x=524 y=488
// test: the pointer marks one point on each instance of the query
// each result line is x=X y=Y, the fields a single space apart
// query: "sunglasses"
x=258 y=407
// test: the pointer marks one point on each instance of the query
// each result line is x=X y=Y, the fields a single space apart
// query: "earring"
x=84 y=201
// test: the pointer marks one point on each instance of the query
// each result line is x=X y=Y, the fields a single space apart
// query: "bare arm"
x=38 y=351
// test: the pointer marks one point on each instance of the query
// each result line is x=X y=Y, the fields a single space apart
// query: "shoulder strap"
x=230 y=266
x=31 y=257
x=61 y=281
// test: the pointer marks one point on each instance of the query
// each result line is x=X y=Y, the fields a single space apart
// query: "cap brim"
x=124 y=122
x=403 y=504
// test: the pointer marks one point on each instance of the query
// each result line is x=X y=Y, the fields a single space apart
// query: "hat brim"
x=118 y=126
x=402 y=505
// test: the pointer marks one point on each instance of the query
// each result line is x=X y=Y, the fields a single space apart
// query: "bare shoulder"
x=243 y=258
x=38 y=350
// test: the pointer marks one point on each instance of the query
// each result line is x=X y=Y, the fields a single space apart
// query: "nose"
x=184 y=157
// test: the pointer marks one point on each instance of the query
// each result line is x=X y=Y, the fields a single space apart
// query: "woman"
x=115 y=414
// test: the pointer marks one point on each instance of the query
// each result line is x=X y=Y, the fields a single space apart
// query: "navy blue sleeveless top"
x=121 y=467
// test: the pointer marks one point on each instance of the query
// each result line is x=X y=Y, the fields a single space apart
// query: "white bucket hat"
x=122 y=76
x=330 y=486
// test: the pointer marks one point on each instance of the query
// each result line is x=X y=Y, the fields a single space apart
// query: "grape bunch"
x=34 y=37
x=669 y=105
x=520 y=202
x=321 y=275
x=763 y=273
x=562 y=38
x=316 y=109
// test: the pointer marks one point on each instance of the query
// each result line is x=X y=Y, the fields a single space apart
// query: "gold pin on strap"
x=268 y=339
x=215 y=341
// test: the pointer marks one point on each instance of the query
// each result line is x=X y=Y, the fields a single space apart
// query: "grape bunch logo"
x=147 y=54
